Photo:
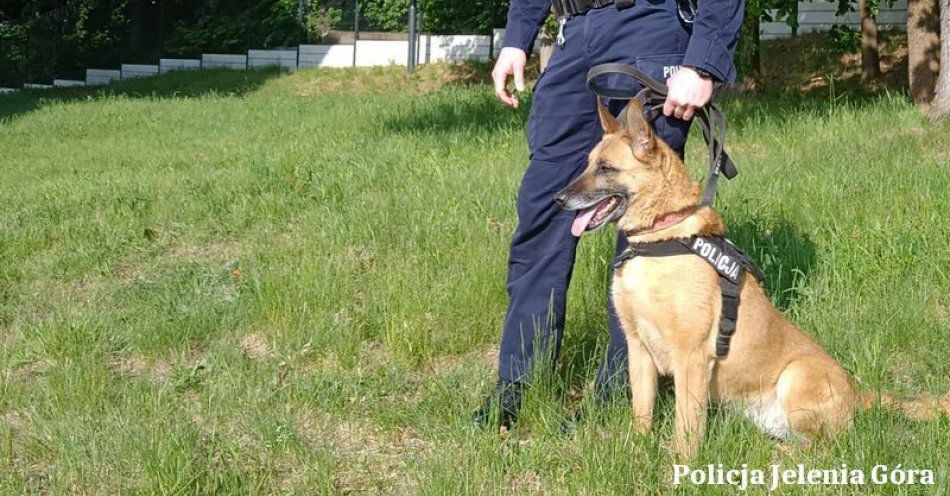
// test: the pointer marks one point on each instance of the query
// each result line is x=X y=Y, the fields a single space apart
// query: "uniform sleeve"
x=715 y=34
x=525 y=18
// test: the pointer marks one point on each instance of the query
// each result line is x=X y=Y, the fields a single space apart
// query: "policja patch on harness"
x=725 y=265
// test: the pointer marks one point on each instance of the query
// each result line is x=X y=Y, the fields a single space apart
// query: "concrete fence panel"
x=223 y=61
x=65 y=83
x=7 y=91
x=168 y=65
x=325 y=56
x=272 y=58
x=454 y=48
x=499 y=35
x=130 y=71
x=36 y=86
x=102 y=76
x=373 y=52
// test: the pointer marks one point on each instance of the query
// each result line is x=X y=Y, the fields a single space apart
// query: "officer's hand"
x=510 y=61
x=687 y=92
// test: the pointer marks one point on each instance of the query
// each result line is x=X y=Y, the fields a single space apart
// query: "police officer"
x=690 y=46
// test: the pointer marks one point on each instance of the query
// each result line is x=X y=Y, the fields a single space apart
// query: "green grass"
x=262 y=283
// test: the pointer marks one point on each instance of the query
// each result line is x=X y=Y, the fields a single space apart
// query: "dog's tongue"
x=582 y=220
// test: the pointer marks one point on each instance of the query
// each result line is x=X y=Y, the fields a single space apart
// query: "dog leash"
x=652 y=97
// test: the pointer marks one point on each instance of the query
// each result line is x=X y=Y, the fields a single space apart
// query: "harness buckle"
x=686 y=9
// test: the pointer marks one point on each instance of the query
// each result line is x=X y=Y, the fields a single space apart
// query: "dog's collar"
x=666 y=221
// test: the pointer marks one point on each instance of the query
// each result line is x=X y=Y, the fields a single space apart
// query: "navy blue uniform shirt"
x=711 y=46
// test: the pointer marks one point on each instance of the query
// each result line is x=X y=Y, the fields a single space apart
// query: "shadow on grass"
x=179 y=84
x=784 y=253
x=482 y=112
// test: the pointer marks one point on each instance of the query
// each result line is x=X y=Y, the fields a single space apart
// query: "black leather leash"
x=652 y=97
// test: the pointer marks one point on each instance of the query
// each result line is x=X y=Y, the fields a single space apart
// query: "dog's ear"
x=607 y=121
x=637 y=128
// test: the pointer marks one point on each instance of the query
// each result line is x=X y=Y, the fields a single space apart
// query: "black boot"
x=501 y=406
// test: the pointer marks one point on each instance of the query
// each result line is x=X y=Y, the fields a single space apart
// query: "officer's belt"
x=728 y=261
x=567 y=8
x=652 y=97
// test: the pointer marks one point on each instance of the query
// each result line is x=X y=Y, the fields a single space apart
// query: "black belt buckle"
x=686 y=10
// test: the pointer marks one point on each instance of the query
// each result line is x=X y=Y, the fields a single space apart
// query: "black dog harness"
x=730 y=263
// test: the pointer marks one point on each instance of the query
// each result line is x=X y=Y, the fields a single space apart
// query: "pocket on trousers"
x=660 y=67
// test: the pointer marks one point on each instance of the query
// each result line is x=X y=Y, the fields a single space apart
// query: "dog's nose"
x=560 y=198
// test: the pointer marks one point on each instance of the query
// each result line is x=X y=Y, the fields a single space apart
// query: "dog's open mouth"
x=597 y=215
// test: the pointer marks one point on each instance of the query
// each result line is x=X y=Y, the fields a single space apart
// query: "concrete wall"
x=223 y=61
x=168 y=65
x=272 y=58
x=381 y=52
x=325 y=56
x=820 y=16
x=453 y=48
x=130 y=71
x=102 y=76
x=64 y=83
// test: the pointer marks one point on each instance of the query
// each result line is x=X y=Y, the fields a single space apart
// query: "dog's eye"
x=605 y=168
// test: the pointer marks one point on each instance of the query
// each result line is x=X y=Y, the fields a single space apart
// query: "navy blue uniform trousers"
x=562 y=129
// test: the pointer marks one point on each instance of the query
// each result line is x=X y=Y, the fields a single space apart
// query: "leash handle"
x=652 y=97
x=625 y=70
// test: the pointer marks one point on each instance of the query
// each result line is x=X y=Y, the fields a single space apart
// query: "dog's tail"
x=922 y=407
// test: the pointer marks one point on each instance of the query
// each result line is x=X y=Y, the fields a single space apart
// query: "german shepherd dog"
x=669 y=306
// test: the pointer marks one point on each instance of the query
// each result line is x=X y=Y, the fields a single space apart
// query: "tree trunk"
x=870 y=58
x=941 y=103
x=923 y=49
x=749 y=51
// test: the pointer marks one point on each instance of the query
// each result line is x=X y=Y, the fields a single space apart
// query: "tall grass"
x=262 y=283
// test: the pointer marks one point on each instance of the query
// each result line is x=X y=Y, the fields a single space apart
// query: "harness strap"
x=652 y=97
x=729 y=263
x=729 y=315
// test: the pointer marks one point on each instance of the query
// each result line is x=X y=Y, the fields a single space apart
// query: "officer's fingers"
x=500 y=78
x=668 y=107
x=519 y=76
x=507 y=98
x=680 y=111
x=688 y=114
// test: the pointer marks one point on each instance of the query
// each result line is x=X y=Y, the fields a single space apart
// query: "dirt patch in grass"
x=370 y=459
x=528 y=482
x=32 y=369
x=205 y=252
x=129 y=366
x=254 y=346
x=157 y=371
x=16 y=421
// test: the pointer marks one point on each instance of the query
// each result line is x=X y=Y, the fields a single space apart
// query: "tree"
x=748 y=53
x=923 y=49
x=870 y=54
x=941 y=103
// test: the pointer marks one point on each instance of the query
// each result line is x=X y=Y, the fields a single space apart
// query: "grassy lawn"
x=264 y=283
